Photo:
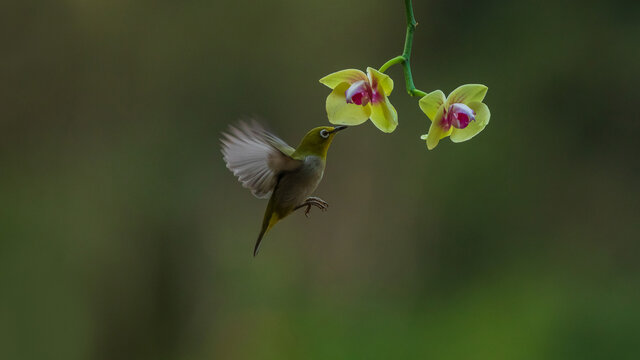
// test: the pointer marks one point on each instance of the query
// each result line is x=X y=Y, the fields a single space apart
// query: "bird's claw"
x=321 y=204
x=317 y=202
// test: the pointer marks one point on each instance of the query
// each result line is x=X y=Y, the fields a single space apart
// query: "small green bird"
x=269 y=167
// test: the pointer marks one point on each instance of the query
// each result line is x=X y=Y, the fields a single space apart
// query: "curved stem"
x=416 y=92
x=388 y=64
x=404 y=59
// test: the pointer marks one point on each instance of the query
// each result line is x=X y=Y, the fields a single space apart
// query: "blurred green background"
x=123 y=235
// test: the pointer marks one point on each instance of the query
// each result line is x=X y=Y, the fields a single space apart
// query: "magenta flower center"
x=458 y=115
x=359 y=93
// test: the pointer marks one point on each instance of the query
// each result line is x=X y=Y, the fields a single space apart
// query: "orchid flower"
x=357 y=96
x=461 y=116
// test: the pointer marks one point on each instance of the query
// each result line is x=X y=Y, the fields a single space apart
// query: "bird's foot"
x=318 y=202
x=315 y=201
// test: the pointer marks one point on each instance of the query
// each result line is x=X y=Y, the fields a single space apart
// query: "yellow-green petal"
x=384 y=116
x=383 y=80
x=341 y=113
x=474 y=127
x=431 y=102
x=349 y=76
x=467 y=93
x=436 y=132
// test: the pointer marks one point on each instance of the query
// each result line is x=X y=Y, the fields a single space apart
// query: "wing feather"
x=256 y=157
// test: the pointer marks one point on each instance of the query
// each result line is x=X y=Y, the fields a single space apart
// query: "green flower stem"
x=406 y=54
x=388 y=64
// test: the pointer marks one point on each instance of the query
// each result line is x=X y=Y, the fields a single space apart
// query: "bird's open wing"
x=256 y=157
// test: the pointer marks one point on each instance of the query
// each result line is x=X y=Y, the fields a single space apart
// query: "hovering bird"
x=272 y=169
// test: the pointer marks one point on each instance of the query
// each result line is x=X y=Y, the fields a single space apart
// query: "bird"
x=270 y=168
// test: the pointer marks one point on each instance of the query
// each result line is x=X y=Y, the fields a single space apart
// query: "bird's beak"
x=338 y=128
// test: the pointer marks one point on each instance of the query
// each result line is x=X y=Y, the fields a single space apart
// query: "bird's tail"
x=270 y=219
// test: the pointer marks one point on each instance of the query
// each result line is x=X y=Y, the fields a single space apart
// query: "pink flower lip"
x=458 y=115
x=359 y=93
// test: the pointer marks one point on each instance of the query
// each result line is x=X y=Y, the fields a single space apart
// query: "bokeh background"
x=123 y=235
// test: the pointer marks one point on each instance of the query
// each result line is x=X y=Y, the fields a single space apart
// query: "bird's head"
x=317 y=140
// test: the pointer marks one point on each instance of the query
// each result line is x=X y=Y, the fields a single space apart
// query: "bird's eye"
x=324 y=133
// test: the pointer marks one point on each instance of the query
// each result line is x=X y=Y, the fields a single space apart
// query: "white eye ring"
x=324 y=133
